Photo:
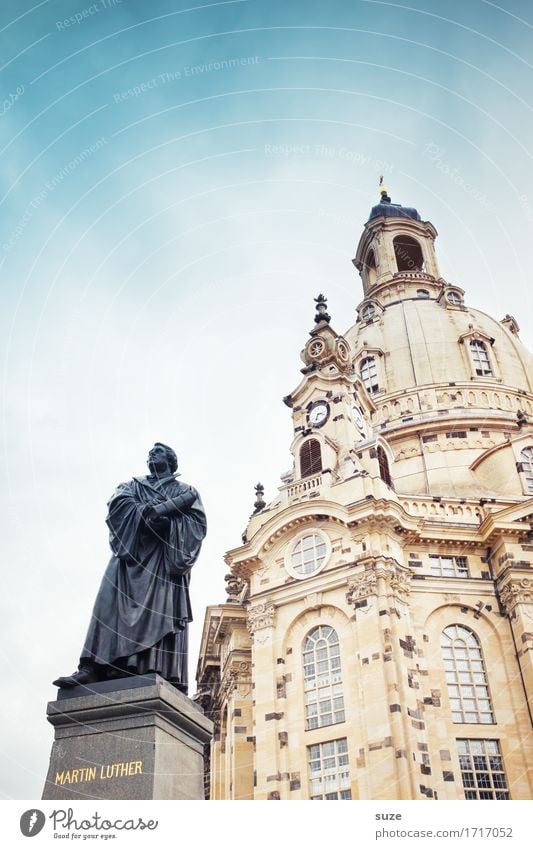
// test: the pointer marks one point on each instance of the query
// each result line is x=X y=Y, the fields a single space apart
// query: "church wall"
x=506 y=690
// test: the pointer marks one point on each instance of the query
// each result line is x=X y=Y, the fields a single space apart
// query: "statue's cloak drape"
x=140 y=616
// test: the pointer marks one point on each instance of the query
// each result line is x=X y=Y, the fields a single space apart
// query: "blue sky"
x=177 y=183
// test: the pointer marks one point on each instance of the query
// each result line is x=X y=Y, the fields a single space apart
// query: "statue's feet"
x=85 y=675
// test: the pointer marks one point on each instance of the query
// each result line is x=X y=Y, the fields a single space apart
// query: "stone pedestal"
x=132 y=738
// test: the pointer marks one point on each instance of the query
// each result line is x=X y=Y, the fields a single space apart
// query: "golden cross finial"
x=382 y=187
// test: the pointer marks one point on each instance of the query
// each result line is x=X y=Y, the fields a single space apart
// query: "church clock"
x=318 y=413
x=358 y=419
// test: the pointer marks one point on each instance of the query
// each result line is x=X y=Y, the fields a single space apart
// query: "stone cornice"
x=389 y=515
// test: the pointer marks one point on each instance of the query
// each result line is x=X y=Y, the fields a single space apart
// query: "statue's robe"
x=140 y=616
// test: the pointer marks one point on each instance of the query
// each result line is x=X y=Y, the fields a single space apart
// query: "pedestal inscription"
x=134 y=738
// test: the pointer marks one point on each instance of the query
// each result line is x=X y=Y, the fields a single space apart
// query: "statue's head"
x=161 y=455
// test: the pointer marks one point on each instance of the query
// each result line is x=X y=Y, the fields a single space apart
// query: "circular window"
x=316 y=347
x=454 y=298
x=368 y=312
x=307 y=554
x=342 y=351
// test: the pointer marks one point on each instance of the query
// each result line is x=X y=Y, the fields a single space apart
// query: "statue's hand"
x=155 y=520
x=177 y=505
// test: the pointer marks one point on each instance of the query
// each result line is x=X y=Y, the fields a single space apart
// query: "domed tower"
x=451 y=386
x=376 y=639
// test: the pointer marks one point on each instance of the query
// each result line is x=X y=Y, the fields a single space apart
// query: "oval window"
x=307 y=555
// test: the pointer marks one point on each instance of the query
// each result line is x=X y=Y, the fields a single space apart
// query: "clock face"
x=358 y=419
x=318 y=414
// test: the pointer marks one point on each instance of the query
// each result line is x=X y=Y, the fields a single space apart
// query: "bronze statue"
x=140 y=616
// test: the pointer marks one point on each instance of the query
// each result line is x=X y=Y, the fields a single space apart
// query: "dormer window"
x=368 y=312
x=480 y=358
x=454 y=298
x=369 y=374
x=408 y=254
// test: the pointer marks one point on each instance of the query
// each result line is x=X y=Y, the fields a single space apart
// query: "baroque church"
x=377 y=637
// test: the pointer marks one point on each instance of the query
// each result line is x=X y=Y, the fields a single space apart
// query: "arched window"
x=370 y=268
x=310 y=458
x=525 y=466
x=384 y=471
x=324 y=701
x=422 y=293
x=408 y=254
x=369 y=374
x=468 y=688
x=480 y=358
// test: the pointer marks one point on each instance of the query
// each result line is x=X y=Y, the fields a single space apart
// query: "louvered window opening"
x=384 y=471
x=310 y=458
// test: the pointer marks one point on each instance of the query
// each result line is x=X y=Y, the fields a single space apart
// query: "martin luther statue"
x=140 y=616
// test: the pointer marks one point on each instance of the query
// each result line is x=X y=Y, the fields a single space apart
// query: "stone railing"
x=454 y=511
x=414 y=275
x=303 y=486
x=461 y=397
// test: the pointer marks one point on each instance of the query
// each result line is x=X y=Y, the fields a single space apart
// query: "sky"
x=178 y=181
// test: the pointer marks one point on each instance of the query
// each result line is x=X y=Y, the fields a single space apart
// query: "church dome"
x=387 y=209
x=393 y=210
x=424 y=342
x=445 y=379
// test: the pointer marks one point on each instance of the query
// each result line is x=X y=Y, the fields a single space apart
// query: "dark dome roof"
x=393 y=210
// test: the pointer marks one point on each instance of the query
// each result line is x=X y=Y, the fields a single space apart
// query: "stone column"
x=377 y=593
x=268 y=778
x=236 y=696
x=131 y=738
x=516 y=597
